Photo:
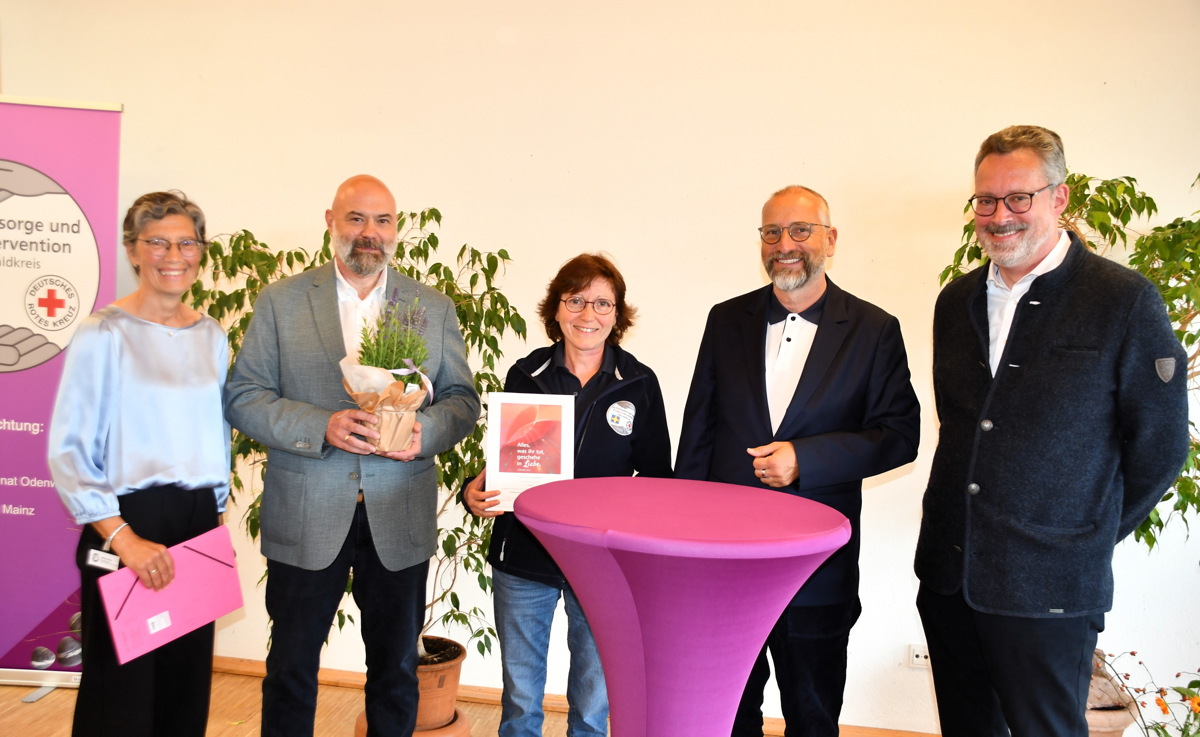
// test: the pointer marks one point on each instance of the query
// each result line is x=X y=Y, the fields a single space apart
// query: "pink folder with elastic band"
x=205 y=588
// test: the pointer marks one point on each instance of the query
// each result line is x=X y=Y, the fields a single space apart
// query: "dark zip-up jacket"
x=599 y=449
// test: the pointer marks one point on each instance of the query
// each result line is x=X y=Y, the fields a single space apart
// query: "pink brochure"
x=205 y=587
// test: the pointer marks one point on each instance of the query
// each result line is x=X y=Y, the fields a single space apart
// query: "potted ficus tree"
x=235 y=269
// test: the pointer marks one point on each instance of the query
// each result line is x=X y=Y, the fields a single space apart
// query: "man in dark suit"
x=1062 y=396
x=332 y=502
x=804 y=388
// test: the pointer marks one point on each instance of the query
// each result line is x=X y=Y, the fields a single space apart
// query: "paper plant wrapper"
x=396 y=403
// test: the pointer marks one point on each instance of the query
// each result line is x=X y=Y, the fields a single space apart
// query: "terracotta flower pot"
x=437 y=713
x=439 y=683
x=1111 y=721
x=459 y=726
x=1109 y=705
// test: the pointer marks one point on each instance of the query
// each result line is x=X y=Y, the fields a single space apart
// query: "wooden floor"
x=236 y=705
x=236 y=702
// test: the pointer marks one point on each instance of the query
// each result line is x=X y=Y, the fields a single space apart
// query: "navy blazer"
x=854 y=413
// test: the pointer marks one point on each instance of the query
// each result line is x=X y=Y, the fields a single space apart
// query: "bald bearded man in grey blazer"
x=331 y=503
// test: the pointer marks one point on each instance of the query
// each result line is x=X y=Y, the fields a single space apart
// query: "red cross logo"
x=52 y=302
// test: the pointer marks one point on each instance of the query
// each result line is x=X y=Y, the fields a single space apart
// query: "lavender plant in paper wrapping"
x=387 y=379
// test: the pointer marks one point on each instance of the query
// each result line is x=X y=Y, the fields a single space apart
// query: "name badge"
x=101 y=559
x=620 y=417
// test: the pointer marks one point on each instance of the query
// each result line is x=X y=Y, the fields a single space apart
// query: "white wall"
x=653 y=131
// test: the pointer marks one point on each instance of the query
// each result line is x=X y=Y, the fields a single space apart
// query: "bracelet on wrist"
x=108 y=542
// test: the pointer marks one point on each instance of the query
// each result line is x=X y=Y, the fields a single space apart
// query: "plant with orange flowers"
x=1163 y=711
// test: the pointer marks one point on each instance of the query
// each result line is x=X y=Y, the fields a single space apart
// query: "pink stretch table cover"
x=681 y=582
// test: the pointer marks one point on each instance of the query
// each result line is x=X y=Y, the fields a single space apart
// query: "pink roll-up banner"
x=58 y=248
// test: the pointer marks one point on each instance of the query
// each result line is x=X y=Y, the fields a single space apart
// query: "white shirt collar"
x=346 y=290
x=1051 y=262
x=354 y=313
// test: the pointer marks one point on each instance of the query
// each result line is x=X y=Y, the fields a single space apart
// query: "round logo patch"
x=51 y=303
x=620 y=417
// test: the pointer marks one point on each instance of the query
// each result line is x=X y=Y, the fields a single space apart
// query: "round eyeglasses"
x=798 y=231
x=599 y=306
x=1017 y=202
x=187 y=246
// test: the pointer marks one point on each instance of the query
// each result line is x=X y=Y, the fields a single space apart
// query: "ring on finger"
x=347 y=438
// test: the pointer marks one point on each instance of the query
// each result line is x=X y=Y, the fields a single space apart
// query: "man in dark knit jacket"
x=1061 y=392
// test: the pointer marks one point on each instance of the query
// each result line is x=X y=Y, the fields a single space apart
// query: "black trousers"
x=808 y=647
x=302 y=604
x=164 y=693
x=996 y=675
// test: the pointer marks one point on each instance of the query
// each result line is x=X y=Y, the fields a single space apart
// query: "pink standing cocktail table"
x=681 y=582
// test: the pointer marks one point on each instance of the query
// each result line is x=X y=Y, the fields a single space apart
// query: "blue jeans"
x=524 y=612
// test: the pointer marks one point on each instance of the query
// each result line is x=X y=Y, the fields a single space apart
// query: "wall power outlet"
x=918 y=656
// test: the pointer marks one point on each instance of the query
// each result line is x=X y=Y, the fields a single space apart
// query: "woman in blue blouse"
x=139 y=451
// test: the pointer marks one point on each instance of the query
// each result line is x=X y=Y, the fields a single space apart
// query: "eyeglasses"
x=599 y=306
x=799 y=232
x=1017 y=202
x=187 y=246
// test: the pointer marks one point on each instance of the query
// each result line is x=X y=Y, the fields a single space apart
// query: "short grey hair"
x=156 y=206
x=1042 y=141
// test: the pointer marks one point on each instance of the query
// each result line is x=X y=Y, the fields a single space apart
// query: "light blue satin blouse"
x=139 y=405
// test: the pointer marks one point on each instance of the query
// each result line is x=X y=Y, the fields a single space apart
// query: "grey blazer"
x=285 y=384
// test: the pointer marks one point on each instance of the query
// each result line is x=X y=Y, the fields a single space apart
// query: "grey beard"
x=790 y=281
x=363 y=262
x=1011 y=254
